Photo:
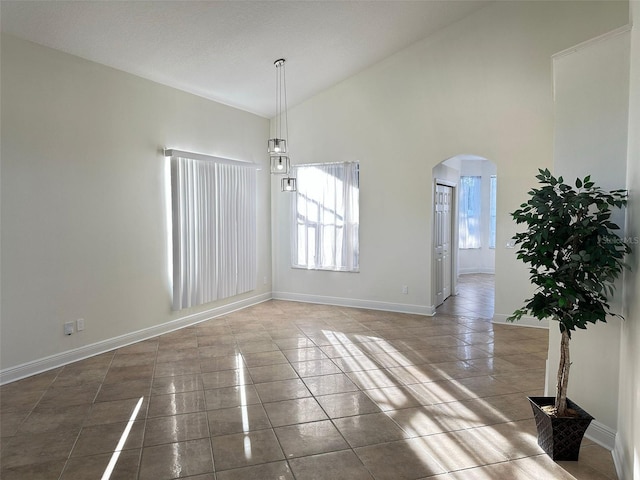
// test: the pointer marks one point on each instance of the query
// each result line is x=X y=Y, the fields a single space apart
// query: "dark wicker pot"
x=560 y=438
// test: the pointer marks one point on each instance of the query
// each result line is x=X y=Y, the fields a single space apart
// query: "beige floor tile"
x=176 y=460
x=329 y=384
x=272 y=373
x=541 y=466
x=242 y=419
x=225 y=362
x=245 y=449
x=290 y=412
x=282 y=390
x=22 y=450
x=213 y=351
x=124 y=390
x=598 y=458
x=177 y=367
x=460 y=450
x=83 y=394
x=514 y=439
x=176 y=384
x=10 y=422
x=355 y=363
x=131 y=360
x=361 y=430
x=231 y=397
x=116 y=411
x=505 y=470
x=15 y=400
x=310 y=438
x=225 y=378
x=264 y=358
x=404 y=459
x=125 y=374
x=176 y=403
x=104 y=438
x=304 y=354
x=393 y=398
x=295 y=339
x=266 y=471
x=176 y=428
x=83 y=468
x=347 y=404
x=53 y=419
x=257 y=347
x=425 y=420
x=330 y=466
x=314 y=368
x=33 y=471
x=379 y=378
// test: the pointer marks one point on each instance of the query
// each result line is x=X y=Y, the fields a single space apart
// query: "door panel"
x=443 y=203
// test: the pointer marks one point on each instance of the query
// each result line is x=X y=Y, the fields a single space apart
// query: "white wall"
x=591 y=115
x=84 y=223
x=627 y=451
x=481 y=86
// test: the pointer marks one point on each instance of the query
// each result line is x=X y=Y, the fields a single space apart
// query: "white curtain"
x=470 y=212
x=326 y=217
x=214 y=233
x=236 y=250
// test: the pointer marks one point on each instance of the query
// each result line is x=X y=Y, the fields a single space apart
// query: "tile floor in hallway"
x=285 y=390
x=475 y=296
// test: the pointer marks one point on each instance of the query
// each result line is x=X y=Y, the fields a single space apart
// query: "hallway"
x=475 y=297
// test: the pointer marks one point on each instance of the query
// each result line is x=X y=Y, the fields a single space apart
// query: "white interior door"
x=443 y=214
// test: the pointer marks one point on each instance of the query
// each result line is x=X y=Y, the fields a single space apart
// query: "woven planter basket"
x=560 y=438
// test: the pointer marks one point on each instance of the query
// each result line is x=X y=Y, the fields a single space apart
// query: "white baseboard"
x=467 y=271
x=621 y=461
x=12 y=374
x=601 y=434
x=356 y=303
x=523 y=322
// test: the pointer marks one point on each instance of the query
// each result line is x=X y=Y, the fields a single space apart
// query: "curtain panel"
x=213 y=230
x=470 y=212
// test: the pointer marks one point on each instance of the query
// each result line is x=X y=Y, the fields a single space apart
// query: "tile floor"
x=474 y=298
x=288 y=390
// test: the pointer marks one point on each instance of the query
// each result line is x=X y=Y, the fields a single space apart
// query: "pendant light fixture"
x=277 y=145
x=288 y=184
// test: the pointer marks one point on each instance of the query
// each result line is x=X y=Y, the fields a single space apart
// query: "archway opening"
x=464 y=236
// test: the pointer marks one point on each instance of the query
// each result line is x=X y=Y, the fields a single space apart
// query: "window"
x=492 y=211
x=469 y=212
x=326 y=217
x=213 y=205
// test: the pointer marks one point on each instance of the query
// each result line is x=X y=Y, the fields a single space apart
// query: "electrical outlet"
x=80 y=324
x=405 y=290
x=68 y=328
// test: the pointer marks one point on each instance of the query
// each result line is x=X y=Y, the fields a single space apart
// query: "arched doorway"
x=463 y=255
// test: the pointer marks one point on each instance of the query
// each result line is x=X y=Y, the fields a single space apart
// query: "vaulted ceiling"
x=224 y=50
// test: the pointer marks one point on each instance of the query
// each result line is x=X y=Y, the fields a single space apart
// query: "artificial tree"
x=574 y=258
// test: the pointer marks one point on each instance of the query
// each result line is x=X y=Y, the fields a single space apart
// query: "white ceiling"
x=224 y=50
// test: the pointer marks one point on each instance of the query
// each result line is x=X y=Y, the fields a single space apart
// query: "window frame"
x=349 y=199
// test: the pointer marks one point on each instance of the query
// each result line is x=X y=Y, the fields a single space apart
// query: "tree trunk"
x=563 y=375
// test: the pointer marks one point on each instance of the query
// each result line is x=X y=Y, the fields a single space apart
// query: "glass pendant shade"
x=277 y=146
x=289 y=184
x=280 y=164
